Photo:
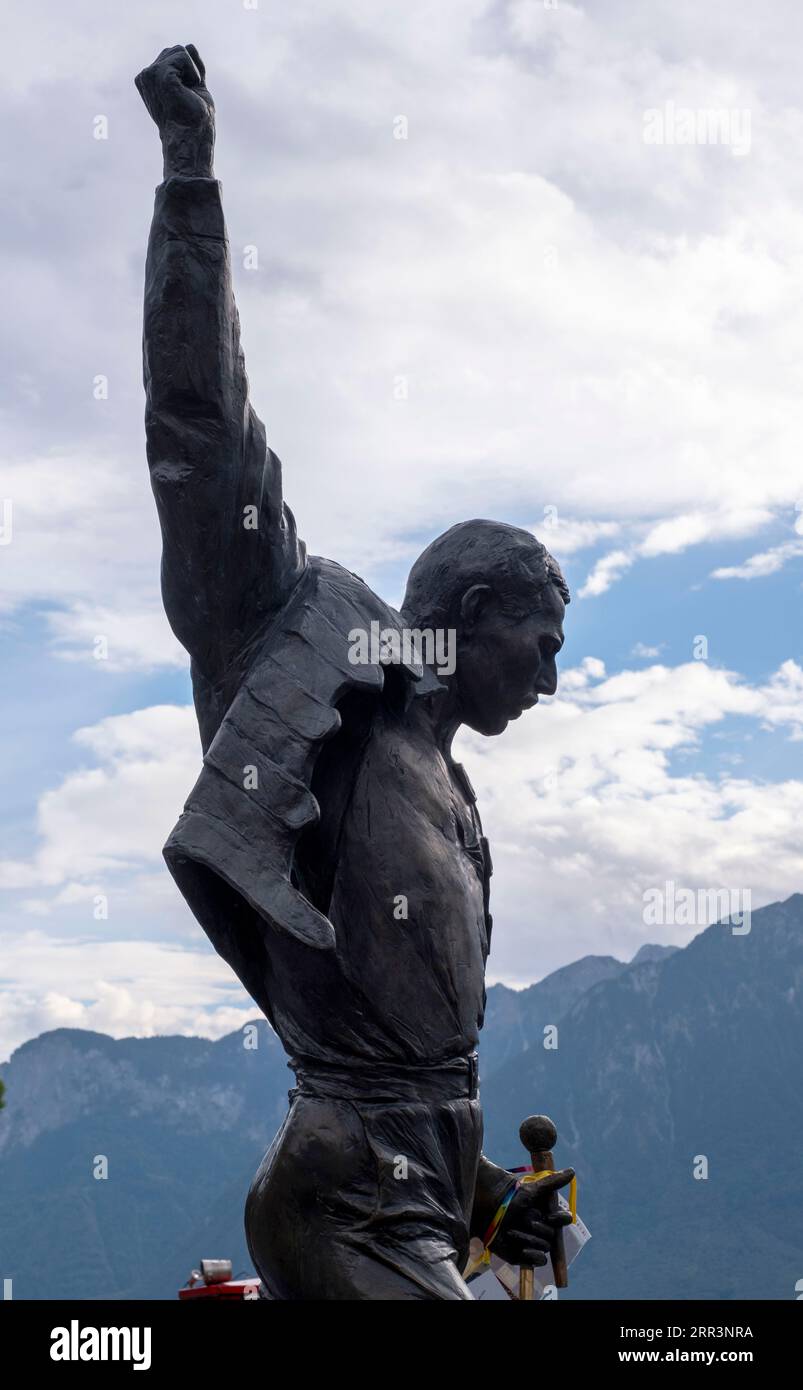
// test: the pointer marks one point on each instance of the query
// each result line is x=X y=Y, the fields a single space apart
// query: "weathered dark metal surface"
x=332 y=848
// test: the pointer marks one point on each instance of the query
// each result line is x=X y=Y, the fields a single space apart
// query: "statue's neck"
x=441 y=716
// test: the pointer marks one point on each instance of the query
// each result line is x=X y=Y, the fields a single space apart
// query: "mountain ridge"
x=685 y=1054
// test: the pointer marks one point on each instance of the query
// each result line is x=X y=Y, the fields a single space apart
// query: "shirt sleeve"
x=231 y=553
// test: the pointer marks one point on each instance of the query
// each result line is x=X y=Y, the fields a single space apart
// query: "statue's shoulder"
x=320 y=626
x=346 y=594
x=254 y=796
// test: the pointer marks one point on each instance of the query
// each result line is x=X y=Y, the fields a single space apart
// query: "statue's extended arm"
x=230 y=546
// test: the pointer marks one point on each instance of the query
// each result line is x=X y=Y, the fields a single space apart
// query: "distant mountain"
x=652 y=953
x=182 y=1122
x=515 y=1018
x=678 y=1055
x=694 y=1056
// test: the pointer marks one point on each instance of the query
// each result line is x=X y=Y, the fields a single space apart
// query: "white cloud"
x=116 y=814
x=678 y=532
x=123 y=988
x=577 y=677
x=670 y=537
x=585 y=809
x=783 y=700
x=583 y=322
x=759 y=566
x=605 y=573
x=565 y=536
x=582 y=804
x=577 y=324
x=116 y=639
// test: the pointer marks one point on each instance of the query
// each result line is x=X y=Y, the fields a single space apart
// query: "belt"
x=387 y=1083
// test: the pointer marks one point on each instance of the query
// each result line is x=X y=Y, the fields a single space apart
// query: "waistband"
x=387 y=1083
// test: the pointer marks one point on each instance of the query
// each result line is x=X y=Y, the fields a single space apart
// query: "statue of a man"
x=331 y=848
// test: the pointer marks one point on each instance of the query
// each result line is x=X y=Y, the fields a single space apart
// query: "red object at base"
x=243 y=1289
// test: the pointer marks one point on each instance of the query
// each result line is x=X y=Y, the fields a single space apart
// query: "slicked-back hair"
x=516 y=566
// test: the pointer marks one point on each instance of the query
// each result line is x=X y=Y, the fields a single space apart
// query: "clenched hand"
x=174 y=90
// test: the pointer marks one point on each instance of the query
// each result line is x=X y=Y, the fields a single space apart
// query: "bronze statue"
x=331 y=848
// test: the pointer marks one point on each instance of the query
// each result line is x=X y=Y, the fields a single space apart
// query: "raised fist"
x=174 y=90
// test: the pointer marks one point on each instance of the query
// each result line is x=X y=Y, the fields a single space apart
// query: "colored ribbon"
x=501 y=1212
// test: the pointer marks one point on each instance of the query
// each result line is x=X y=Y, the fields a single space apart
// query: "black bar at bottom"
x=231 y=1344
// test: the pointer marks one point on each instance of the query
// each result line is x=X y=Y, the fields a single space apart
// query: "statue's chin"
x=489 y=726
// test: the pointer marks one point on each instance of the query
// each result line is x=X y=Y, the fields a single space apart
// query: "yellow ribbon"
x=547 y=1173
x=485 y=1257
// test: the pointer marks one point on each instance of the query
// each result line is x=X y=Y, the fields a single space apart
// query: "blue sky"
x=586 y=327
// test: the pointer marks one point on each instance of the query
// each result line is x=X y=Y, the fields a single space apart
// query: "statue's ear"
x=473 y=604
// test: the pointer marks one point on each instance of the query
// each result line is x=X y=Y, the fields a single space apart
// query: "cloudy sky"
x=569 y=298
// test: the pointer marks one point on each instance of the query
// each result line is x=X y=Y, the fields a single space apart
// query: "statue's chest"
x=472 y=841
x=416 y=822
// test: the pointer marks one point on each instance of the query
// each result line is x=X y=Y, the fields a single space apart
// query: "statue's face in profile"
x=503 y=663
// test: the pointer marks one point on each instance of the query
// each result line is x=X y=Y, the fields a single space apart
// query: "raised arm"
x=230 y=550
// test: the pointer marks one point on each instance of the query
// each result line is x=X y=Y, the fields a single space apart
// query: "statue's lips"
x=525 y=704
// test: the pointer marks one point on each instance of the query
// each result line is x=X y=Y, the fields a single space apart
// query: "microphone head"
x=538 y=1134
